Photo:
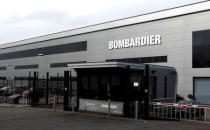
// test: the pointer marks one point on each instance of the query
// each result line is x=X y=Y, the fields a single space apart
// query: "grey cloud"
x=50 y=21
x=46 y=15
x=49 y=15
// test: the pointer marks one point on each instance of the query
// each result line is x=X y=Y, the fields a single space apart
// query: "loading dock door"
x=202 y=90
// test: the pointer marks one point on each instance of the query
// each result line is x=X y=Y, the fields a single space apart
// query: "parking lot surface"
x=27 y=118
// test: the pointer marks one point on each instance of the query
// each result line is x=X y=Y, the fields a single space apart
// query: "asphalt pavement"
x=27 y=118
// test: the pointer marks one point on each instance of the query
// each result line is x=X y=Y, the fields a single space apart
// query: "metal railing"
x=179 y=112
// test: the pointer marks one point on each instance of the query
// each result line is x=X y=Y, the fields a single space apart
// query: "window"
x=3 y=78
x=156 y=59
x=201 y=47
x=3 y=68
x=64 y=64
x=27 y=67
x=57 y=49
x=21 y=78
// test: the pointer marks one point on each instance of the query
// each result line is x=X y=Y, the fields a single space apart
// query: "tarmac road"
x=27 y=118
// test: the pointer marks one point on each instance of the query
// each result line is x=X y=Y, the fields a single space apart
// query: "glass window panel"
x=84 y=83
x=200 y=49
x=115 y=80
x=27 y=66
x=57 y=49
x=94 y=83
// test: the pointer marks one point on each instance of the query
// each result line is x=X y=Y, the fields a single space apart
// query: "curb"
x=12 y=105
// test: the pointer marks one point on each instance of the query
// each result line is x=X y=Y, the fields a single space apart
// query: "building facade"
x=178 y=37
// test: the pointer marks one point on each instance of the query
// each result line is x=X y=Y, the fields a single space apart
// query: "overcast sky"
x=21 y=19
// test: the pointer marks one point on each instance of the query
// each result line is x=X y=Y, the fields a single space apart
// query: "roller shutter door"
x=202 y=90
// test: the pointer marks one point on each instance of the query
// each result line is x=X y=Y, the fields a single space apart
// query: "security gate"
x=45 y=90
x=183 y=111
x=71 y=100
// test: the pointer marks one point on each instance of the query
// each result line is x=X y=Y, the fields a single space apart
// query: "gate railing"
x=175 y=111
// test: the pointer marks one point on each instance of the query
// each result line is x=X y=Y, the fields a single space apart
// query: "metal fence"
x=41 y=87
x=183 y=111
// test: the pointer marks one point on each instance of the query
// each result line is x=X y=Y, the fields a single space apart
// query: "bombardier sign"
x=135 y=42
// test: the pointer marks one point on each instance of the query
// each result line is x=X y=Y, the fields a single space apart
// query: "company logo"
x=135 y=42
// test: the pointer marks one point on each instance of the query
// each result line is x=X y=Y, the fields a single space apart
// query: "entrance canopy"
x=107 y=65
x=117 y=65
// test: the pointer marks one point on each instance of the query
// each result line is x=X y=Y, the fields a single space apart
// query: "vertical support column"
x=47 y=86
x=146 y=92
x=66 y=90
x=136 y=109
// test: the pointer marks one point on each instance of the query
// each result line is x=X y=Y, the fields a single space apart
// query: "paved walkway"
x=14 y=117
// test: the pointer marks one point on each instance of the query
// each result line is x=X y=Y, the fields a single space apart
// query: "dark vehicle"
x=19 y=89
x=4 y=90
x=1 y=86
x=14 y=99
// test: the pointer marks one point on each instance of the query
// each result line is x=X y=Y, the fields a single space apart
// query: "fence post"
x=21 y=80
x=47 y=84
x=194 y=113
x=66 y=90
x=37 y=89
x=34 y=90
x=57 y=87
x=190 y=113
x=70 y=91
x=54 y=105
x=23 y=100
x=29 y=87
x=8 y=82
x=3 y=81
x=205 y=115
